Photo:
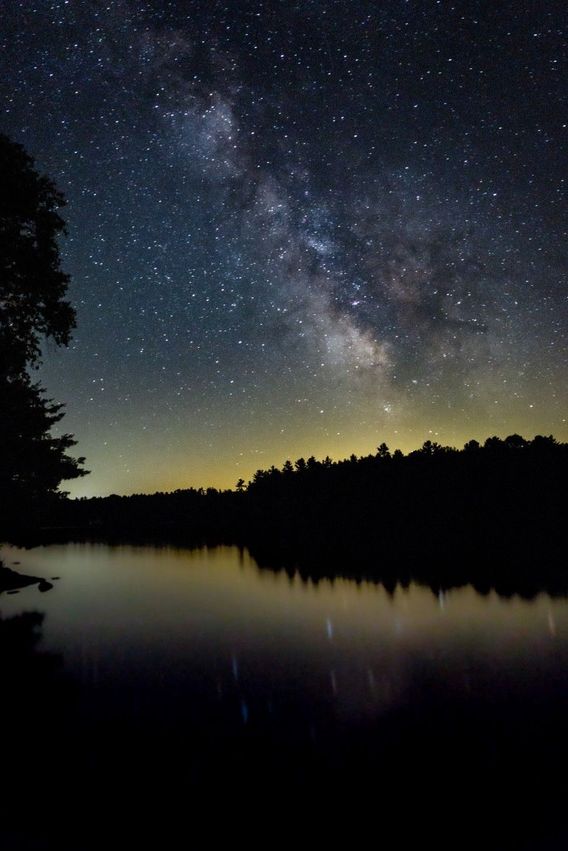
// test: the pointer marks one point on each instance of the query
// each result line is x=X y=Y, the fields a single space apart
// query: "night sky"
x=297 y=228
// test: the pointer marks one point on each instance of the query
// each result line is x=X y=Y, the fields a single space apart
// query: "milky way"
x=298 y=228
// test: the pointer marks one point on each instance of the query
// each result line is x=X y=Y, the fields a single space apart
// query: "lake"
x=165 y=678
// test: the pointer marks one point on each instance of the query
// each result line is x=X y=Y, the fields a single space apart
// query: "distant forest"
x=495 y=512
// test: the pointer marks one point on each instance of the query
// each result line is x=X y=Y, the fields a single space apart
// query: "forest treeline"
x=499 y=507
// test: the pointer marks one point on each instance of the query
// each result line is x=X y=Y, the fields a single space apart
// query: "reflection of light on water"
x=333 y=681
x=170 y=607
x=551 y=623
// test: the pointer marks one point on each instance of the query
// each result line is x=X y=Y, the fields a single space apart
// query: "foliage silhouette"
x=32 y=308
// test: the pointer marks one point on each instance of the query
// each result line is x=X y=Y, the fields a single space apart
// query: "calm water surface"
x=169 y=672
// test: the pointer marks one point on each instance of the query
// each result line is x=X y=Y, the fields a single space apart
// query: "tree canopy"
x=32 y=284
x=33 y=307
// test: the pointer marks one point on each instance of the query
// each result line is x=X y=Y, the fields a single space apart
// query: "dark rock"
x=11 y=580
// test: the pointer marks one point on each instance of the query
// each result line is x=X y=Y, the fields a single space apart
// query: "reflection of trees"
x=28 y=674
x=34 y=720
x=491 y=516
x=506 y=579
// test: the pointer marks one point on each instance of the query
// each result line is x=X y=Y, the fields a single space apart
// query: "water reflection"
x=506 y=576
x=36 y=724
x=199 y=676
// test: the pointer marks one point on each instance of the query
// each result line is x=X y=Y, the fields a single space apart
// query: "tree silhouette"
x=32 y=308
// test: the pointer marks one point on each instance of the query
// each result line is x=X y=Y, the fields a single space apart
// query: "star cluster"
x=297 y=228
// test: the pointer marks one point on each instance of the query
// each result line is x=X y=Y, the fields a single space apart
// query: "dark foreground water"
x=158 y=693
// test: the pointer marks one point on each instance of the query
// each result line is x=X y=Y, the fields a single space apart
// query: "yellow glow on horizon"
x=233 y=457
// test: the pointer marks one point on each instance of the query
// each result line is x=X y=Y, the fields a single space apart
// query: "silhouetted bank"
x=11 y=581
x=493 y=515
